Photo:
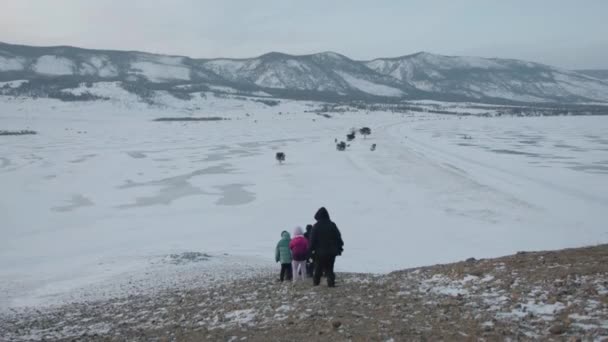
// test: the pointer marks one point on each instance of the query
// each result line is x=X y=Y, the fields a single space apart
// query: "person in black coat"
x=325 y=243
x=308 y=230
x=309 y=261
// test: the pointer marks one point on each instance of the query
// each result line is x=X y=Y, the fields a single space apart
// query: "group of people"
x=311 y=253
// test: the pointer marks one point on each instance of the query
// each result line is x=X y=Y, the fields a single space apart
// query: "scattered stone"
x=557 y=329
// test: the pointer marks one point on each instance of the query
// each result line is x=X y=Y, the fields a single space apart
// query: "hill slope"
x=528 y=296
x=601 y=74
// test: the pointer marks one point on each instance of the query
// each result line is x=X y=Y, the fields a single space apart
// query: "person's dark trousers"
x=286 y=273
x=325 y=264
x=310 y=267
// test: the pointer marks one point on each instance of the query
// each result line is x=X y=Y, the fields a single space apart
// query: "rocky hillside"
x=324 y=76
x=557 y=295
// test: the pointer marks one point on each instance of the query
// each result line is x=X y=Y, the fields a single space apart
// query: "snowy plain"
x=103 y=192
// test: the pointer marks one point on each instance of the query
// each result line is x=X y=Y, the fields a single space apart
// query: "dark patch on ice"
x=559 y=158
x=186 y=258
x=227 y=153
x=166 y=195
x=529 y=142
x=594 y=168
x=50 y=176
x=173 y=188
x=243 y=153
x=521 y=153
x=454 y=167
x=77 y=201
x=601 y=141
x=235 y=194
x=4 y=162
x=215 y=157
x=191 y=119
x=83 y=158
x=252 y=144
x=20 y=132
x=219 y=148
x=136 y=154
x=466 y=144
x=570 y=147
x=530 y=137
x=33 y=157
x=212 y=170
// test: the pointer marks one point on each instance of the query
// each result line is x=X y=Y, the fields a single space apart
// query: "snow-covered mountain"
x=51 y=62
x=328 y=76
x=326 y=72
x=491 y=78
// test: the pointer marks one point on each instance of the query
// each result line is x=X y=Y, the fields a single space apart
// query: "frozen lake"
x=100 y=192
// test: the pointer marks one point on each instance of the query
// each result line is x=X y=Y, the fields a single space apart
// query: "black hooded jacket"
x=325 y=238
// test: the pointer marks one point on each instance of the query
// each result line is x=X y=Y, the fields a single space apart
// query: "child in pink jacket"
x=299 y=253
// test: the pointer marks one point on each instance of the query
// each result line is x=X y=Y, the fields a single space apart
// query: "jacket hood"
x=297 y=231
x=322 y=214
x=285 y=235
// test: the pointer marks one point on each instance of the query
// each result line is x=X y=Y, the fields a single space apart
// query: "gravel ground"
x=556 y=295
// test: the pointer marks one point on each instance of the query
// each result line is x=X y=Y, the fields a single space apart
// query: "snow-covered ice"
x=102 y=190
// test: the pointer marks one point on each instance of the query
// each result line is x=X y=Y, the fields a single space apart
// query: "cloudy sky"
x=571 y=34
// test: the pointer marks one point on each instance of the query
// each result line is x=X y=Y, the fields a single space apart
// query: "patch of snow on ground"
x=297 y=65
x=13 y=84
x=441 y=284
x=270 y=79
x=284 y=308
x=545 y=311
x=54 y=65
x=370 y=87
x=241 y=317
x=11 y=64
x=224 y=89
x=110 y=90
x=487 y=278
x=104 y=66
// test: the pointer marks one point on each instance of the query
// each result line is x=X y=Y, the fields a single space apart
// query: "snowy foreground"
x=104 y=197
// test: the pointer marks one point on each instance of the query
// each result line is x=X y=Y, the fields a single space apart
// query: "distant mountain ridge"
x=326 y=76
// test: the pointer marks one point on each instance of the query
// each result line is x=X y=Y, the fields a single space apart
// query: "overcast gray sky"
x=570 y=34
